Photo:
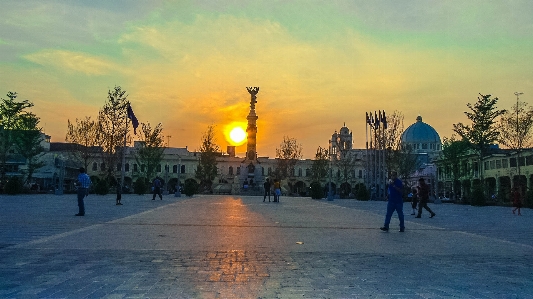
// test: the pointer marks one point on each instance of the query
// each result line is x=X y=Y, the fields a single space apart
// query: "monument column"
x=251 y=130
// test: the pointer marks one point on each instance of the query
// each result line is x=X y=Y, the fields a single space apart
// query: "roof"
x=420 y=132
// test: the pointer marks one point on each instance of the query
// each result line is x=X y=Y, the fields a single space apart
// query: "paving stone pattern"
x=240 y=247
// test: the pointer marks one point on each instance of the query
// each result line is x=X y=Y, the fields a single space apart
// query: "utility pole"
x=517 y=94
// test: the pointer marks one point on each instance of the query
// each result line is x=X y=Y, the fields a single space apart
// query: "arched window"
x=230 y=170
x=135 y=168
x=182 y=170
x=175 y=169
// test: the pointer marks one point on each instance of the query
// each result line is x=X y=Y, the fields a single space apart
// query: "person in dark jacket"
x=423 y=194
x=395 y=202
x=266 y=186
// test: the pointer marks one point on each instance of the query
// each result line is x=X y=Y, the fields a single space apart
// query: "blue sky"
x=319 y=63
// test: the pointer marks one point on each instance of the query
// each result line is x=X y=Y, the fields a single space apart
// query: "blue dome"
x=420 y=132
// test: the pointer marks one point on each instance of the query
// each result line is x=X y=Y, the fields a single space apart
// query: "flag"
x=134 y=120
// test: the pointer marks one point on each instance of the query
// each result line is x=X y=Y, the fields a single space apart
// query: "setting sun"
x=237 y=135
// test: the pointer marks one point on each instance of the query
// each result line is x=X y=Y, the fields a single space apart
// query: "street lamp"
x=333 y=152
x=178 y=193
x=517 y=94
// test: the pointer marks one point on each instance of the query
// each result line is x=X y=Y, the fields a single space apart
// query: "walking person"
x=83 y=183
x=395 y=202
x=517 y=203
x=414 y=200
x=157 y=188
x=277 y=190
x=119 y=195
x=266 y=186
x=423 y=194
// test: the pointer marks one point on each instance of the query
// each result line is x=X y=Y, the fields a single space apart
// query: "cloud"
x=73 y=62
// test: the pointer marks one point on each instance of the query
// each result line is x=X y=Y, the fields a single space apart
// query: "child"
x=517 y=203
x=414 y=201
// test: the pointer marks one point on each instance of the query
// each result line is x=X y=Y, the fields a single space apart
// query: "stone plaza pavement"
x=241 y=247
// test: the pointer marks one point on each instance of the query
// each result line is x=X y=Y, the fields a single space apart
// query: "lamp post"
x=517 y=94
x=332 y=152
x=178 y=193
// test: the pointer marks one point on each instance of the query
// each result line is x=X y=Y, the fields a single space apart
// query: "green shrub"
x=14 y=186
x=316 y=190
x=478 y=198
x=529 y=199
x=190 y=188
x=361 y=192
x=140 y=186
x=101 y=187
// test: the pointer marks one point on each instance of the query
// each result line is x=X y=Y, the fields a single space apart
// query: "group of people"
x=420 y=197
x=268 y=189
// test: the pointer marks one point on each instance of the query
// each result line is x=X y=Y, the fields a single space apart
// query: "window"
x=102 y=166
x=504 y=163
x=135 y=168
x=127 y=167
x=307 y=172
x=95 y=166
x=486 y=165
x=262 y=171
x=230 y=170
x=238 y=170
x=522 y=161
x=182 y=169
x=360 y=173
x=424 y=146
x=492 y=164
x=498 y=164
x=529 y=160
x=158 y=168
x=299 y=172
x=512 y=162
x=175 y=169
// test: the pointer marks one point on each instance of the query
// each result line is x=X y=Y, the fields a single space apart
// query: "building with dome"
x=423 y=139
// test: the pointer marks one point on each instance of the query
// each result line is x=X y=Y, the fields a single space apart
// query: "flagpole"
x=366 y=153
x=123 y=166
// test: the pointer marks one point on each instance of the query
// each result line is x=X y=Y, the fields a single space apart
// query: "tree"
x=405 y=161
x=483 y=131
x=112 y=121
x=391 y=140
x=346 y=165
x=515 y=129
x=27 y=138
x=452 y=153
x=86 y=137
x=11 y=114
x=319 y=169
x=152 y=147
x=207 y=165
x=287 y=155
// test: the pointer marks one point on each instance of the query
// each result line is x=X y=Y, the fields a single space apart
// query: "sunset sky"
x=319 y=64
